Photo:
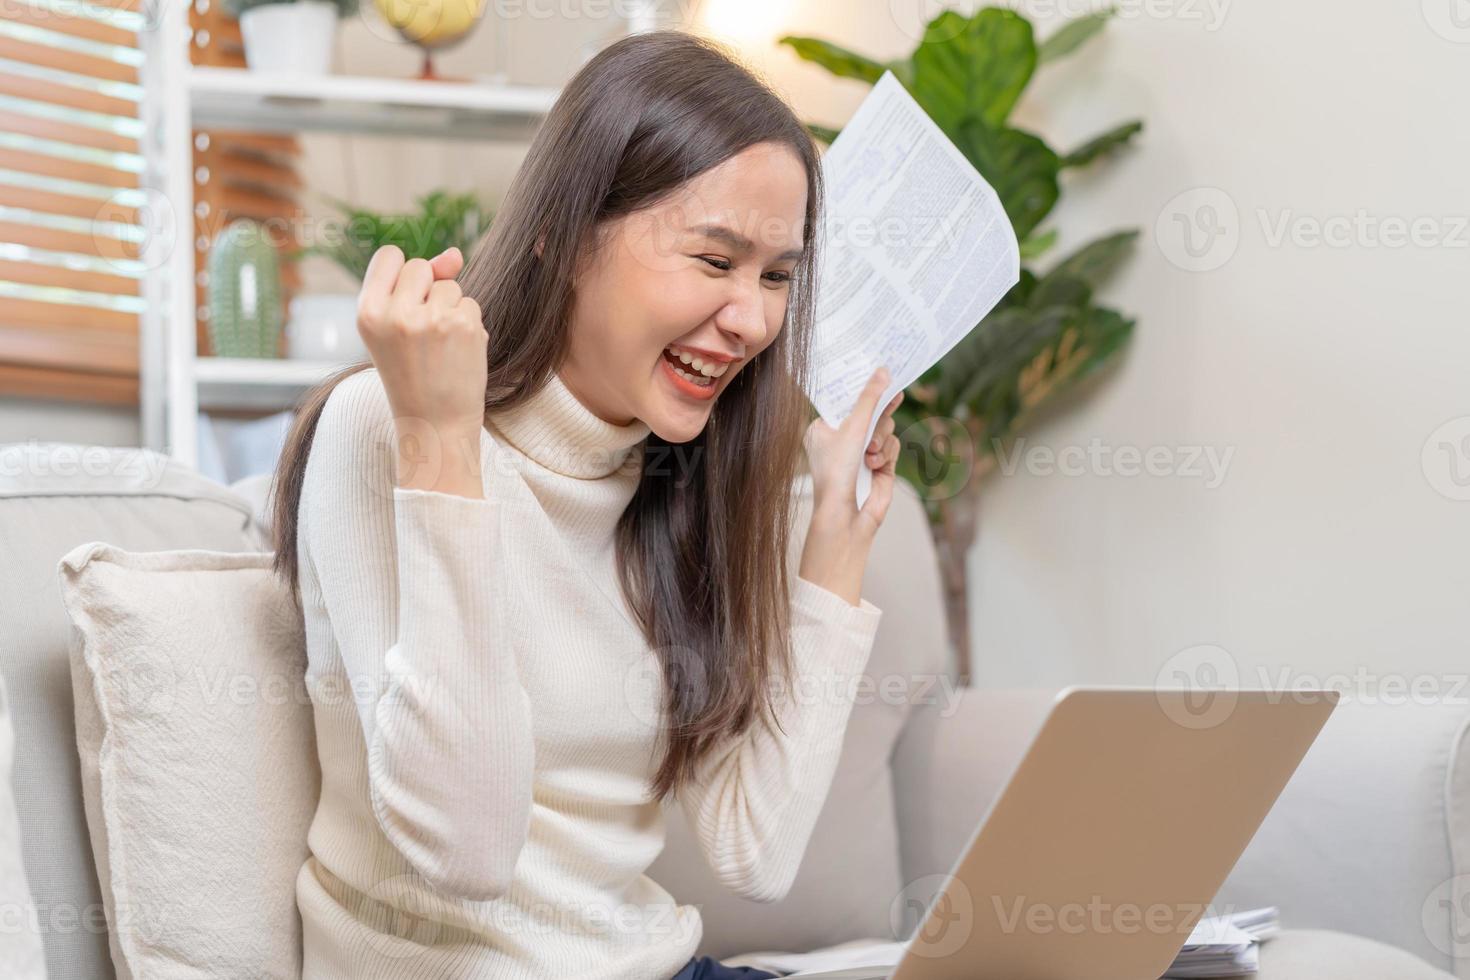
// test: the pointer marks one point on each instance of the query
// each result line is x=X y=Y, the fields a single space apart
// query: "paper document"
x=1218 y=946
x=916 y=250
x=855 y=953
x=1225 y=945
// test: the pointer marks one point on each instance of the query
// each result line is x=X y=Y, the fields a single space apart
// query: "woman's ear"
x=539 y=246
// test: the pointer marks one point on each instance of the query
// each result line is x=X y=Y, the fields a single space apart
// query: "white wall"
x=45 y=420
x=1329 y=546
x=1332 y=549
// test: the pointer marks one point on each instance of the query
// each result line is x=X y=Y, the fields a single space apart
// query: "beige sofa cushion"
x=20 y=931
x=1321 y=954
x=198 y=757
x=54 y=496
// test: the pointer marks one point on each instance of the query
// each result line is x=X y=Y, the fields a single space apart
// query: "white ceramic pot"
x=290 y=38
x=323 y=327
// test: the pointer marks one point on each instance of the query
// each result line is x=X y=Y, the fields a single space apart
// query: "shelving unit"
x=255 y=382
x=179 y=97
x=233 y=98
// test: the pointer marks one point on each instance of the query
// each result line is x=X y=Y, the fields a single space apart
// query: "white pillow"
x=20 y=932
x=198 y=757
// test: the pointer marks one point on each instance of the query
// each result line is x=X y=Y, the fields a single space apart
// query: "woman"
x=543 y=547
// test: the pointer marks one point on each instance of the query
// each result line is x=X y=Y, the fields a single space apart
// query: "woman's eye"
x=775 y=278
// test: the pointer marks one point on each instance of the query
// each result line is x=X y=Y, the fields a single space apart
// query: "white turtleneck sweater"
x=486 y=714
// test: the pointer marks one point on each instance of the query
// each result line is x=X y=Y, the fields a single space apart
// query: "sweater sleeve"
x=409 y=581
x=756 y=800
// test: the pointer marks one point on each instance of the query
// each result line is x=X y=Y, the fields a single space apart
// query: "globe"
x=431 y=24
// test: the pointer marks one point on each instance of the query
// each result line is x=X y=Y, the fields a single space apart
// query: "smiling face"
x=693 y=287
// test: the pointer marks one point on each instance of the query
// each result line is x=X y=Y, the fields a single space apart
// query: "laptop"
x=1111 y=837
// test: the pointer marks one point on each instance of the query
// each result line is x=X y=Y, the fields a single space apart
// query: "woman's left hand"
x=835 y=553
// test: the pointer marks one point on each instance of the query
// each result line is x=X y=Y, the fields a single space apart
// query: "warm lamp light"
x=752 y=24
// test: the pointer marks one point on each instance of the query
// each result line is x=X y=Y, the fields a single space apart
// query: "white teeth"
x=701 y=380
x=710 y=369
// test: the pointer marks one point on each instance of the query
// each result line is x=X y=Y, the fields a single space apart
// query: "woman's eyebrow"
x=739 y=242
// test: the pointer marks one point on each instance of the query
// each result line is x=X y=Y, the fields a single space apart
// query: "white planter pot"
x=323 y=327
x=290 y=38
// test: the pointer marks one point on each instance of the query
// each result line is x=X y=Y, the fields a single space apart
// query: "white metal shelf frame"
x=233 y=98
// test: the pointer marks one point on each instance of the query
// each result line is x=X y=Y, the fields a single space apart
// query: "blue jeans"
x=709 y=968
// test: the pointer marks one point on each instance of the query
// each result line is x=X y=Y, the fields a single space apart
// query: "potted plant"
x=323 y=326
x=1048 y=332
x=289 y=36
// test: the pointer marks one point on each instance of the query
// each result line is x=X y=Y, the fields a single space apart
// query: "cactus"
x=245 y=312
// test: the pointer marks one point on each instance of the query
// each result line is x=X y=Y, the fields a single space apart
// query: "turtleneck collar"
x=556 y=430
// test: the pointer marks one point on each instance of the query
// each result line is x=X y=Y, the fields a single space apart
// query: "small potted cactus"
x=289 y=36
x=245 y=311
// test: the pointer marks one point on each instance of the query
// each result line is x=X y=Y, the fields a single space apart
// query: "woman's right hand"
x=429 y=345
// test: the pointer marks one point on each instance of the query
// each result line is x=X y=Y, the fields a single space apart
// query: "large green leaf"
x=992 y=350
x=1102 y=144
x=1022 y=169
x=970 y=355
x=1095 y=261
x=1015 y=297
x=838 y=60
x=1072 y=35
x=903 y=70
x=1020 y=293
x=824 y=133
x=973 y=66
x=1105 y=331
x=1036 y=246
x=1060 y=291
x=993 y=391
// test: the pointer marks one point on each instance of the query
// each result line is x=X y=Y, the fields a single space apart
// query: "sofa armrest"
x=1371 y=836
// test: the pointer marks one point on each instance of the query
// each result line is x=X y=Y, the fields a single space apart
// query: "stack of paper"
x=1225 y=945
x=1219 y=946
x=855 y=953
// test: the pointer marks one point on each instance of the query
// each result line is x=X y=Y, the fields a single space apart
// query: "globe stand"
x=428 y=74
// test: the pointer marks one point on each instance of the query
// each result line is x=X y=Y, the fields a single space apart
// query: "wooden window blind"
x=71 y=199
x=70 y=269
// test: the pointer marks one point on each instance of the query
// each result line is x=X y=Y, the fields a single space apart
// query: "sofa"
x=1365 y=852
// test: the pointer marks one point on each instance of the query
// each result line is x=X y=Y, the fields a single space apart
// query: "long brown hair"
x=702 y=556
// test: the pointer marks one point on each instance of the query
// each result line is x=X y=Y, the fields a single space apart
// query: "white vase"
x=323 y=327
x=290 y=38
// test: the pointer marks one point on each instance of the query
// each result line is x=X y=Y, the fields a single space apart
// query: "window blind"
x=70 y=275
x=70 y=195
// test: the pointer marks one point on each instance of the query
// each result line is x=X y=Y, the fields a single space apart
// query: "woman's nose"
x=745 y=316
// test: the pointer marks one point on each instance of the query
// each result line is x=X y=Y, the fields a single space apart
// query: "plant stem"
x=954 y=536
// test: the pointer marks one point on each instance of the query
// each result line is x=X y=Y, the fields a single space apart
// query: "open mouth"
x=686 y=370
x=693 y=374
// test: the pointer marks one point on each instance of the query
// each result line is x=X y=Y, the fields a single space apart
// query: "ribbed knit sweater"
x=487 y=710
